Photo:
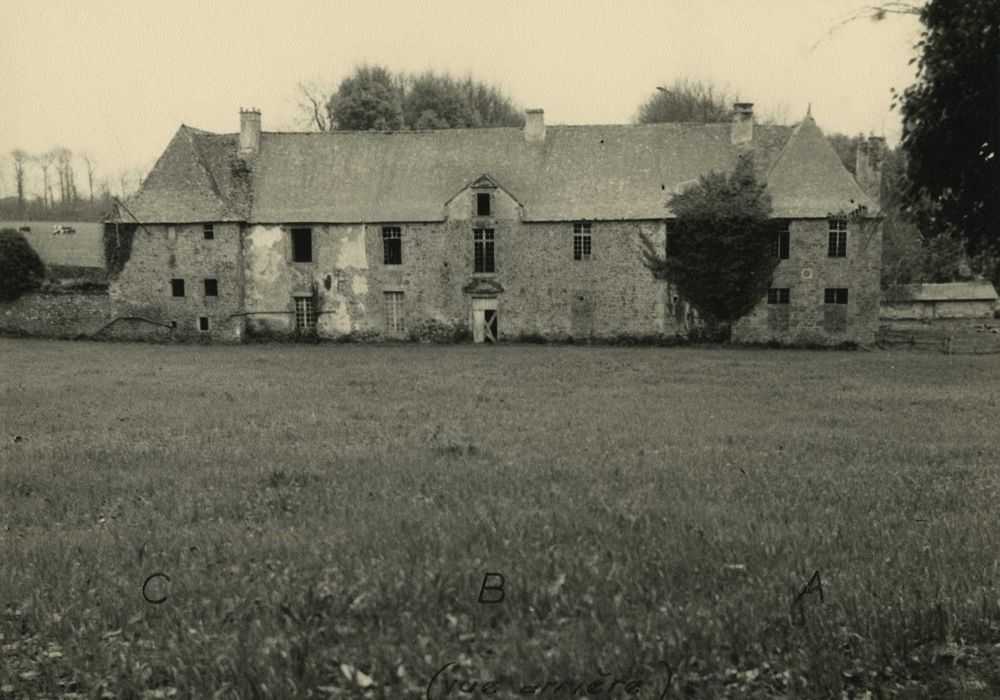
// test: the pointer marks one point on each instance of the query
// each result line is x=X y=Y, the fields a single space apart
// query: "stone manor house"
x=488 y=234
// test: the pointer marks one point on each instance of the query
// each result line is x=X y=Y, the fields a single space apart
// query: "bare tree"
x=45 y=162
x=313 y=100
x=874 y=13
x=64 y=168
x=90 y=163
x=20 y=159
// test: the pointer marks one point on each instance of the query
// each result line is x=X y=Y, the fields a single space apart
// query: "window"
x=838 y=239
x=177 y=287
x=392 y=246
x=780 y=247
x=208 y=231
x=211 y=288
x=305 y=313
x=394 y=313
x=203 y=323
x=835 y=295
x=581 y=241
x=777 y=295
x=302 y=245
x=835 y=313
x=482 y=203
x=483 y=242
x=668 y=231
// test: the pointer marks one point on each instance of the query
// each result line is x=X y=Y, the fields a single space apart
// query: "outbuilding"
x=944 y=300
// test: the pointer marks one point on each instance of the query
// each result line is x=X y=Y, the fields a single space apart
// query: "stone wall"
x=141 y=293
x=807 y=272
x=545 y=291
x=55 y=315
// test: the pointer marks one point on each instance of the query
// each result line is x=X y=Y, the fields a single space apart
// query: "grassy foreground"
x=326 y=516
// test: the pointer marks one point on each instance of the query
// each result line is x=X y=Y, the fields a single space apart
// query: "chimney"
x=249 y=131
x=742 y=131
x=534 y=125
x=868 y=166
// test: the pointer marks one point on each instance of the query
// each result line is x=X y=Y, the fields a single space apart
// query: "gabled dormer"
x=483 y=200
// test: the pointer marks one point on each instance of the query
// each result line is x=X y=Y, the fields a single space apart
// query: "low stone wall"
x=55 y=315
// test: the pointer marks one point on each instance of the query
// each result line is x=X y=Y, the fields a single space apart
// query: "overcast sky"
x=118 y=78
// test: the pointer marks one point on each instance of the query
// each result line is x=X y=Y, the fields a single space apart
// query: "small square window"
x=208 y=231
x=302 y=247
x=835 y=295
x=483 y=203
x=177 y=287
x=211 y=288
x=777 y=295
x=173 y=324
x=203 y=323
x=392 y=245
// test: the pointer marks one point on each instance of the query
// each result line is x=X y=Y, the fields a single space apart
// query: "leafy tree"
x=440 y=102
x=375 y=98
x=719 y=255
x=686 y=101
x=21 y=270
x=368 y=99
x=951 y=125
x=436 y=102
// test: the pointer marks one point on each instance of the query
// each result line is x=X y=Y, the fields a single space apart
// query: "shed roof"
x=952 y=291
x=576 y=172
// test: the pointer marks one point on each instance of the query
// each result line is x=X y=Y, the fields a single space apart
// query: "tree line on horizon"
x=60 y=196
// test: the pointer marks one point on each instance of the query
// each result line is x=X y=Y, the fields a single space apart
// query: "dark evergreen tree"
x=21 y=270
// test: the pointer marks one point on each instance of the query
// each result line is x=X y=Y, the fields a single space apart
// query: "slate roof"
x=578 y=172
x=952 y=291
x=810 y=180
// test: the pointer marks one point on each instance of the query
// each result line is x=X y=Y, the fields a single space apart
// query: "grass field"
x=326 y=515
x=84 y=248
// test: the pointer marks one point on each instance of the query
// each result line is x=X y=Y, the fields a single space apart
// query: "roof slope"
x=576 y=172
x=809 y=179
x=191 y=182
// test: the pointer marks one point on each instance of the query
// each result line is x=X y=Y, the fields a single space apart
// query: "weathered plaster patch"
x=352 y=248
x=266 y=257
x=359 y=284
x=335 y=319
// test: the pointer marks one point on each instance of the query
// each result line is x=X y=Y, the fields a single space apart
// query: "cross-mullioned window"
x=394 y=323
x=483 y=241
x=305 y=313
x=581 y=241
x=838 y=239
x=392 y=245
x=782 y=237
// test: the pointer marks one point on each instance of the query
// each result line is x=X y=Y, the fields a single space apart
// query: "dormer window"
x=483 y=204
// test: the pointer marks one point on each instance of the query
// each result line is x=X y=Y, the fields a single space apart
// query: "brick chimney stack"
x=868 y=166
x=249 y=131
x=534 y=125
x=742 y=130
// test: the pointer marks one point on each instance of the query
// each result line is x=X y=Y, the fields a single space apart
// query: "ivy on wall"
x=118 y=239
